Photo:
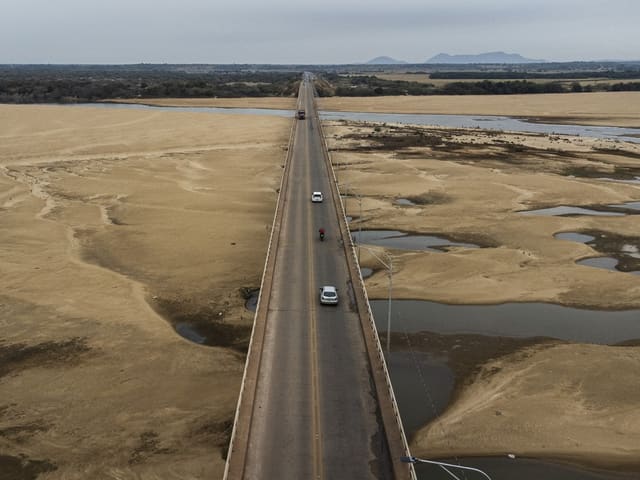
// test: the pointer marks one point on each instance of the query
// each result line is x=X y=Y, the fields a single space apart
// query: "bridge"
x=316 y=401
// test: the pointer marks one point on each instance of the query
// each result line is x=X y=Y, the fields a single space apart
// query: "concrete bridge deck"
x=316 y=401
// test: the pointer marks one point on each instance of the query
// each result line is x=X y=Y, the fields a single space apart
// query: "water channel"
x=272 y=112
x=489 y=122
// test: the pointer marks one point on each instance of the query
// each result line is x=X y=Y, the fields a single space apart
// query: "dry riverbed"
x=540 y=398
x=114 y=235
x=119 y=226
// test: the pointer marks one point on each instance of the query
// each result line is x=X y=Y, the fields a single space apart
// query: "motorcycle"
x=321 y=231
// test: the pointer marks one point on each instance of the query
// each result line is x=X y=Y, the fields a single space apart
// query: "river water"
x=423 y=382
x=516 y=320
x=489 y=122
x=233 y=111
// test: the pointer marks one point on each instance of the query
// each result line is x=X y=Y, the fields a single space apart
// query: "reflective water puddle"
x=574 y=237
x=404 y=241
x=517 y=320
x=251 y=303
x=610 y=210
x=634 y=180
x=568 y=210
x=404 y=202
x=626 y=252
x=366 y=272
x=189 y=332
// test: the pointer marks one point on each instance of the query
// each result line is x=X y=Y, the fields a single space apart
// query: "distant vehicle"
x=301 y=114
x=316 y=197
x=328 y=295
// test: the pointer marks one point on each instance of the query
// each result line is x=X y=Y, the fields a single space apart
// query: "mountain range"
x=385 y=61
x=489 y=57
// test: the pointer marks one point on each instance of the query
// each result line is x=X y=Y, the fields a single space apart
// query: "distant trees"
x=486 y=87
x=519 y=74
x=63 y=84
x=368 y=86
x=362 y=86
x=625 y=87
x=91 y=83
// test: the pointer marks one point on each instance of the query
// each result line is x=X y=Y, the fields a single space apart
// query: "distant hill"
x=385 y=61
x=490 y=57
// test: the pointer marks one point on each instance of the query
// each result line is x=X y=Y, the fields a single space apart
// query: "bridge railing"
x=396 y=438
x=238 y=443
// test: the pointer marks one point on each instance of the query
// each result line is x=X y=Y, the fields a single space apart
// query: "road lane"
x=315 y=412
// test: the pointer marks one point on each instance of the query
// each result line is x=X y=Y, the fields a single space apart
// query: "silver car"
x=328 y=295
x=316 y=197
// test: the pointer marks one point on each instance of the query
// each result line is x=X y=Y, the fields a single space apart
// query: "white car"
x=316 y=197
x=328 y=295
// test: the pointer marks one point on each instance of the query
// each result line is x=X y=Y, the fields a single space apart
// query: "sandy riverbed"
x=570 y=401
x=109 y=217
x=95 y=382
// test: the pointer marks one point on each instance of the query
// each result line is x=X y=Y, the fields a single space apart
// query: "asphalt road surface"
x=315 y=413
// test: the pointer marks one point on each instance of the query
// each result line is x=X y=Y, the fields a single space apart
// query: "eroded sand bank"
x=568 y=401
x=109 y=217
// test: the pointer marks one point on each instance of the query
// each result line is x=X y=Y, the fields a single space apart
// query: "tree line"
x=628 y=73
x=369 y=86
x=93 y=83
x=59 y=84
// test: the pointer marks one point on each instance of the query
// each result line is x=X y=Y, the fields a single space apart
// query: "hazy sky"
x=318 y=31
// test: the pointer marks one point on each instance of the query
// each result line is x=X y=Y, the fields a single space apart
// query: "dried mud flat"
x=116 y=226
x=539 y=398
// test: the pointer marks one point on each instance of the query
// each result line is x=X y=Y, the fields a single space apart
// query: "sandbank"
x=109 y=217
